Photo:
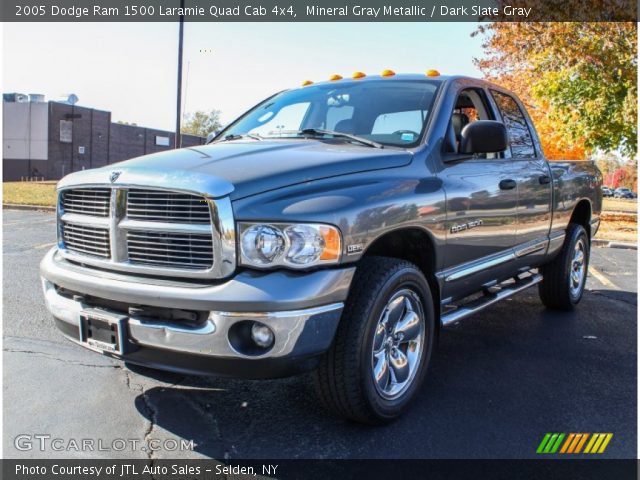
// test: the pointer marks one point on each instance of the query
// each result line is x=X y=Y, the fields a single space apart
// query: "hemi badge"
x=355 y=248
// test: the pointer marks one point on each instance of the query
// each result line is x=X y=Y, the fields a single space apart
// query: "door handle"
x=544 y=179
x=507 y=184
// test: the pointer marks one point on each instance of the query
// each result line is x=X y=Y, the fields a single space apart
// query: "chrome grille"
x=161 y=206
x=86 y=201
x=86 y=240
x=176 y=250
x=147 y=231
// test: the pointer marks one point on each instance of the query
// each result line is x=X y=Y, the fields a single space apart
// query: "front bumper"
x=302 y=310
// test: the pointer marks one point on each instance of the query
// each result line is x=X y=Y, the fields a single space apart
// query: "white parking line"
x=28 y=222
x=44 y=245
x=602 y=279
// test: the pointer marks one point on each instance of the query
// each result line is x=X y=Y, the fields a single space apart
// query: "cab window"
x=514 y=120
x=470 y=106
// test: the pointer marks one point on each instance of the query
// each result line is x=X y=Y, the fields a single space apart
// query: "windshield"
x=388 y=112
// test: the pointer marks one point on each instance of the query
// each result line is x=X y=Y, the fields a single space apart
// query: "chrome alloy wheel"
x=398 y=344
x=578 y=268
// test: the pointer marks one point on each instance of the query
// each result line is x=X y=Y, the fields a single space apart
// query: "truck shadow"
x=229 y=418
x=489 y=393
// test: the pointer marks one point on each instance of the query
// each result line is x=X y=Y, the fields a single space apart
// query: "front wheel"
x=383 y=344
x=564 y=278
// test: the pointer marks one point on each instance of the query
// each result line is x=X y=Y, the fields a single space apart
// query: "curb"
x=614 y=244
x=11 y=206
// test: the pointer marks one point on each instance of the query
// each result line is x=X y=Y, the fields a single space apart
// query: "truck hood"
x=241 y=168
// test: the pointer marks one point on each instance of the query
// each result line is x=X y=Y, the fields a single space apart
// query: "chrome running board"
x=489 y=298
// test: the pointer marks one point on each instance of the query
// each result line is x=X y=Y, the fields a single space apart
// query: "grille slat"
x=94 y=202
x=173 y=250
x=155 y=210
x=165 y=246
x=162 y=256
x=159 y=206
x=75 y=238
x=86 y=240
x=135 y=239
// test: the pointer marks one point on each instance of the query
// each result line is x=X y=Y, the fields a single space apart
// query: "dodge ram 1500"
x=336 y=227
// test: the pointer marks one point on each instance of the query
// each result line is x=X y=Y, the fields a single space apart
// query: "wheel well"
x=415 y=246
x=582 y=215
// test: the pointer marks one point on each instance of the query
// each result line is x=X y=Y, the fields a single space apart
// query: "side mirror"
x=484 y=136
x=211 y=136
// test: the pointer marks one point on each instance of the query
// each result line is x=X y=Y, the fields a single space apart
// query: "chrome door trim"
x=531 y=247
x=557 y=235
x=457 y=273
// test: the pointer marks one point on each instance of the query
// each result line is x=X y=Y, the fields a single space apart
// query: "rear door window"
x=520 y=139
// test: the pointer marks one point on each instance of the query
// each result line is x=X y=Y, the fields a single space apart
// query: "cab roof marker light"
x=388 y=73
x=335 y=77
x=432 y=73
x=358 y=75
x=307 y=82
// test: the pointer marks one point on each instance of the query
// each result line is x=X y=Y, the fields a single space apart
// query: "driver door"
x=481 y=202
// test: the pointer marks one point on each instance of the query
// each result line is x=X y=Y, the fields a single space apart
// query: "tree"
x=608 y=164
x=202 y=123
x=579 y=80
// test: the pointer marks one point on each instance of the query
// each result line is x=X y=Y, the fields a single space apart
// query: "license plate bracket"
x=102 y=331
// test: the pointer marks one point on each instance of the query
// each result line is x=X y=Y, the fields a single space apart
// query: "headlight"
x=298 y=245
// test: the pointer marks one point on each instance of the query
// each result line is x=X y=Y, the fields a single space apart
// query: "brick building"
x=52 y=139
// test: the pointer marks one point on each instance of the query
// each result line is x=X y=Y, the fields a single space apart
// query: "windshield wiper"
x=238 y=136
x=355 y=138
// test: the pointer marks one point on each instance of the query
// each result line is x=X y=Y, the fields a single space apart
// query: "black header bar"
x=319 y=11
x=319 y=469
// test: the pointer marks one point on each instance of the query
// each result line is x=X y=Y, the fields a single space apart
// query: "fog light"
x=262 y=335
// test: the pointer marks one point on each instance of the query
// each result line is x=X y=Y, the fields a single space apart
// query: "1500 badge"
x=466 y=226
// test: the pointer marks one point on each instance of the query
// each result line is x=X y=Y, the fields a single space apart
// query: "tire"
x=559 y=289
x=383 y=288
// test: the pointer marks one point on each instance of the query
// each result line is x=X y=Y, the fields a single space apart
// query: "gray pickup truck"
x=336 y=227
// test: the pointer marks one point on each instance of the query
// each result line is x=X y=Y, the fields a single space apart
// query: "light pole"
x=178 y=139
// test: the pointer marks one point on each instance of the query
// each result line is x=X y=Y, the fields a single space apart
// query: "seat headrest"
x=345 y=126
x=459 y=121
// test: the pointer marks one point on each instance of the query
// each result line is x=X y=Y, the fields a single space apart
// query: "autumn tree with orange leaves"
x=578 y=80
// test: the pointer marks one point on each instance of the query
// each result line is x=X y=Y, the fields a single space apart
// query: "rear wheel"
x=383 y=344
x=564 y=278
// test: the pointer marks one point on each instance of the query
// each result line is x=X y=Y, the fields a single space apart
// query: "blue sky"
x=130 y=68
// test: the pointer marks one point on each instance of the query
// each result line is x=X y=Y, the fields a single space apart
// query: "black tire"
x=344 y=381
x=556 y=290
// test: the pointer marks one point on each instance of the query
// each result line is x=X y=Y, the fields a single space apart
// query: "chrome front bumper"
x=303 y=310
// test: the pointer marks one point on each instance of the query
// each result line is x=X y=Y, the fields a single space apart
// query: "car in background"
x=623 y=192
x=607 y=192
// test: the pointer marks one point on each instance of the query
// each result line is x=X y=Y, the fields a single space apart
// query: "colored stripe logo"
x=574 y=443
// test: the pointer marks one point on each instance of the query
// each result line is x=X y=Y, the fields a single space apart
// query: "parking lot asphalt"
x=497 y=383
